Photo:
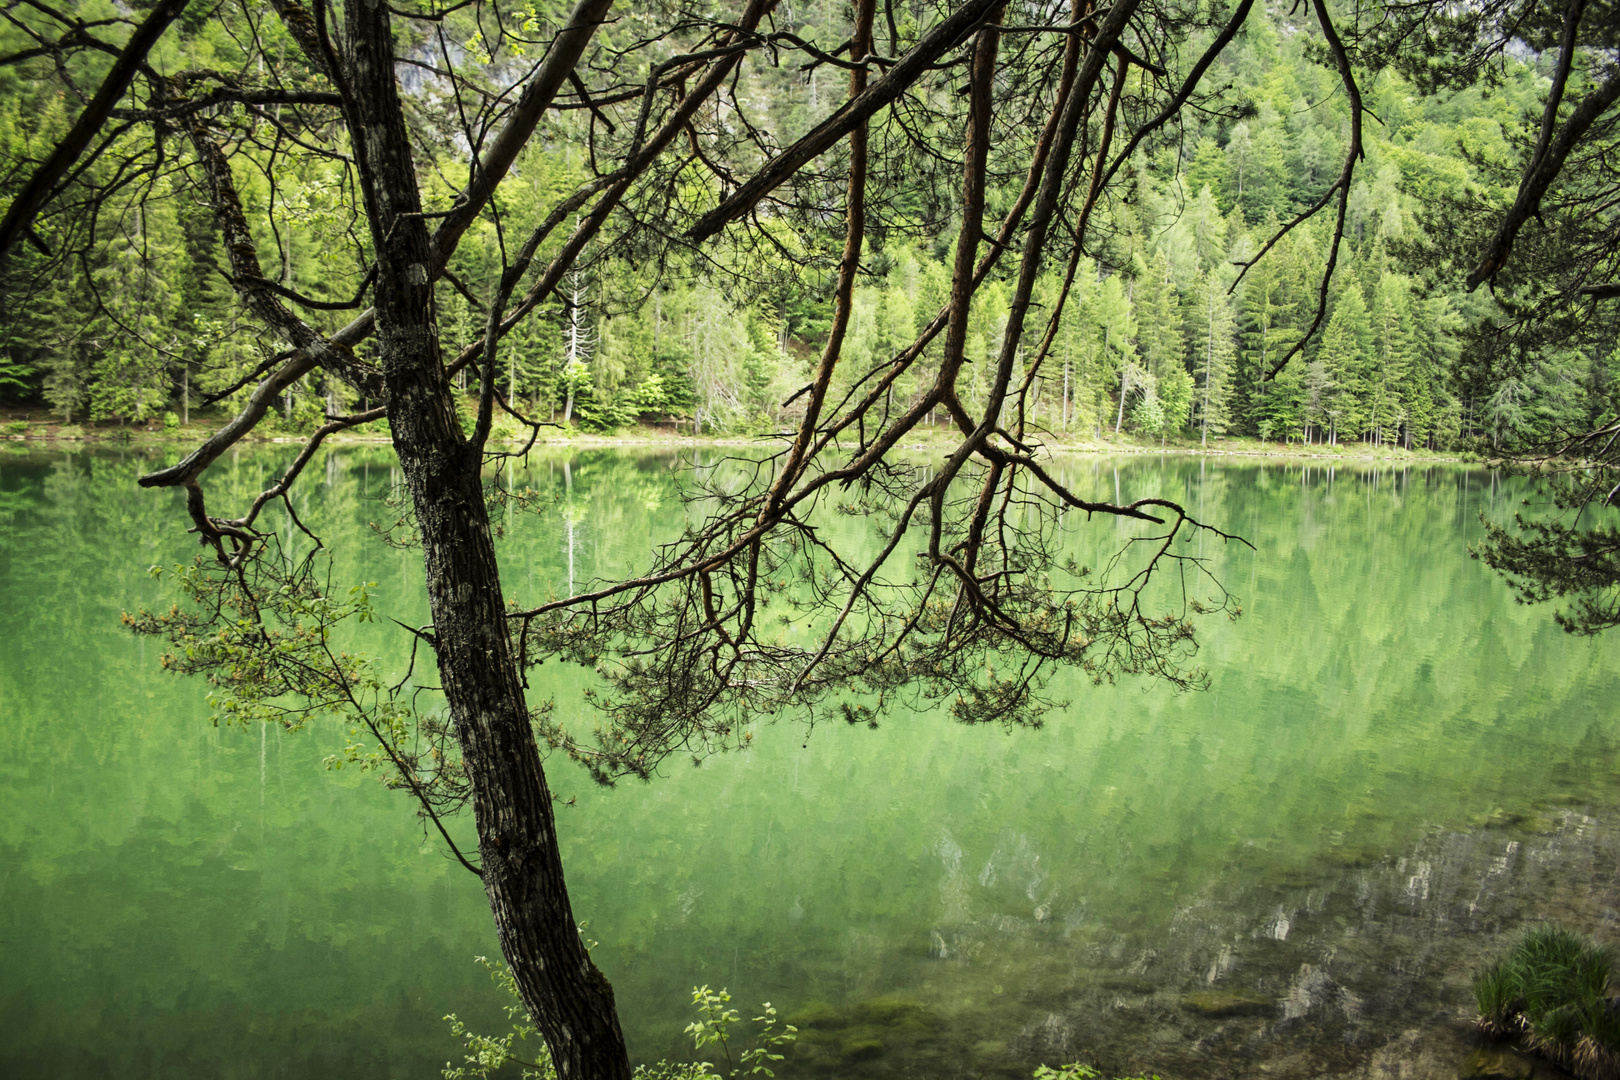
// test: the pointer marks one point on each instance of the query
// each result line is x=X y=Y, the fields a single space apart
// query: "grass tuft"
x=1552 y=990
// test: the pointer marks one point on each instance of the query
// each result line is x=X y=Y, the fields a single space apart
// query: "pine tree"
x=1110 y=311
x=1317 y=392
x=1266 y=316
x=1215 y=347
x=1159 y=338
x=1175 y=392
x=1343 y=354
x=579 y=341
x=137 y=337
x=1267 y=188
x=1207 y=171
x=1391 y=357
x=1206 y=229
x=1430 y=408
x=1239 y=160
x=1282 y=410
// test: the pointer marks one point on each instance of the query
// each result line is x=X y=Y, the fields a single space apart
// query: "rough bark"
x=570 y=1001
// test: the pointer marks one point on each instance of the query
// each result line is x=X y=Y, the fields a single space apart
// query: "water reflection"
x=1292 y=873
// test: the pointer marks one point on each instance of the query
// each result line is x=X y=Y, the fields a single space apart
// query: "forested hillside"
x=1160 y=342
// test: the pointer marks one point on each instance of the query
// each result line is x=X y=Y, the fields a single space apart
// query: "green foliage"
x=263 y=630
x=278 y=654
x=1572 y=555
x=1077 y=1071
x=520 y=1046
x=1213 y=352
x=1148 y=415
x=712 y=1033
x=714 y=1029
x=14 y=374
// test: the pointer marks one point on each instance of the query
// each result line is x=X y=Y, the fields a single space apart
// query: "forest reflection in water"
x=1395 y=765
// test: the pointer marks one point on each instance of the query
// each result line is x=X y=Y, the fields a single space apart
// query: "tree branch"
x=37 y=191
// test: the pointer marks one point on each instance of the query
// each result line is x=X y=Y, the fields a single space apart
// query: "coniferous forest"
x=1156 y=339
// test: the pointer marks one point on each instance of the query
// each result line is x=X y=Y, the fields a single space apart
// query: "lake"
x=1395 y=767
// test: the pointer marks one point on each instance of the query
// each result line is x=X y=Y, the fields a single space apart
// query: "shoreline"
x=51 y=435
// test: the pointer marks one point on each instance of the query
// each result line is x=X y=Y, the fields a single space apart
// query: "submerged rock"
x=816 y=1050
x=817 y=1014
x=990 y=1048
x=1221 y=1003
x=1496 y=1063
x=896 y=1011
x=861 y=1049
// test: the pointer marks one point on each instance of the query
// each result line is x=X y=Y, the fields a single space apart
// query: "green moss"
x=1220 y=1003
x=1499 y=818
x=1353 y=857
x=818 y=1014
x=816 y=1049
x=888 y=1010
x=861 y=1049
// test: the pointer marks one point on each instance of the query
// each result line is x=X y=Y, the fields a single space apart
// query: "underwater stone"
x=1496 y=1063
x=1217 y=1003
x=816 y=1050
x=862 y=1049
x=889 y=1010
x=817 y=1014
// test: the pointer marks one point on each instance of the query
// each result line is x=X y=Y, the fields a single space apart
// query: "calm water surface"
x=1292 y=873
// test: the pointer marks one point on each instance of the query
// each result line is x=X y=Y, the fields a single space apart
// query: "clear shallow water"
x=1294 y=871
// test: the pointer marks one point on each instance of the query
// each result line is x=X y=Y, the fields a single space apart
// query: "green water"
x=1394 y=765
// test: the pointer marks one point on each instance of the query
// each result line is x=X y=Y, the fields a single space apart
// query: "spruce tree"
x=1266 y=318
x=1391 y=357
x=1159 y=339
x=1214 y=349
x=1343 y=355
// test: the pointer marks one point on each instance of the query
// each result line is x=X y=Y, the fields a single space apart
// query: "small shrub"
x=171 y=423
x=70 y=431
x=16 y=427
x=713 y=1030
x=522 y=1046
x=1078 y=1071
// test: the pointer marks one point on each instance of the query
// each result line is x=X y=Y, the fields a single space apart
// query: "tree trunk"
x=1065 y=392
x=511 y=377
x=569 y=999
